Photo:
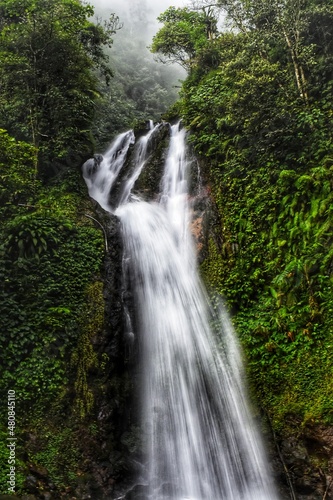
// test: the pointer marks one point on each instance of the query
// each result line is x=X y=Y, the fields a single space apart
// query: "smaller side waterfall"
x=201 y=442
x=100 y=174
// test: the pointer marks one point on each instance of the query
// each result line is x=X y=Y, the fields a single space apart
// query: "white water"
x=201 y=443
x=99 y=183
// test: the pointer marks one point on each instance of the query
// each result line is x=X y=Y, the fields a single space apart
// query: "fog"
x=138 y=19
x=140 y=16
x=142 y=87
x=138 y=11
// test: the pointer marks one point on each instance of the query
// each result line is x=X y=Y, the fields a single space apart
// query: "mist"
x=139 y=14
x=134 y=11
x=142 y=86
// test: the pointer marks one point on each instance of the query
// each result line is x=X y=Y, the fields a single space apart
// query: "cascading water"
x=101 y=174
x=201 y=443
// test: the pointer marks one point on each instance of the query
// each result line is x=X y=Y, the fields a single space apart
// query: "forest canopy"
x=48 y=51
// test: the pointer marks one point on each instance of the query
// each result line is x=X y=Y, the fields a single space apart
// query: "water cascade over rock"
x=200 y=442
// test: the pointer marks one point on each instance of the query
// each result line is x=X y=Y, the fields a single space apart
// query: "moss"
x=212 y=266
x=60 y=456
x=20 y=468
x=84 y=358
x=290 y=374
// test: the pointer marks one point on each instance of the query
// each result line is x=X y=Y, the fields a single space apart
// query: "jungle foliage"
x=257 y=101
x=51 y=254
x=48 y=51
x=50 y=257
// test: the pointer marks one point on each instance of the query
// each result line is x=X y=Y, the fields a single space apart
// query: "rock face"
x=308 y=458
x=147 y=185
x=302 y=463
x=113 y=463
x=91 y=166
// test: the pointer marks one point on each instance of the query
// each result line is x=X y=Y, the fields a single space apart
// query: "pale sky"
x=122 y=8
x=157 y=6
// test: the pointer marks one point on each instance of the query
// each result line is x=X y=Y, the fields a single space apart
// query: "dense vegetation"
x=50 y=253
x=257 y=101
x=65 y=92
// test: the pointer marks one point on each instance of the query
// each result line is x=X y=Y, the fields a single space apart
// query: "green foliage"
x=60 y=456
x=184 y=34
x=84 y=357
x=46 y=263
x=48 y=90
x=29 y=236
x=268 y=150
x=17 y=173
x=51 y=255
x=290 y=31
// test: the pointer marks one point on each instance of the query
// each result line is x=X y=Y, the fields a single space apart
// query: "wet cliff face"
x=308 y=457
x=113 y=459
x=147 y=185
x=108 y=438
x=301 y=455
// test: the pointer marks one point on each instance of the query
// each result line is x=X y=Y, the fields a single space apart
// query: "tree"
x=262 y=123
x=302 y=29
x=49 y=50
x=184 y=33
x=285 y=21
x=17 y=180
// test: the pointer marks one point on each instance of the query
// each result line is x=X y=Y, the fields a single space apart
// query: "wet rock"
x=142 y=127
x=91 y=166
x=39 y=471
x=98 y=159
x=199 y=226
x=106 y=466
x=308 y=459
x=47 y=496
x=148 y=184
x=138 y=492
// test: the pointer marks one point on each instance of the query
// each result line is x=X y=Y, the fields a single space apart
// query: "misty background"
x=142 y=88
x=148 y=9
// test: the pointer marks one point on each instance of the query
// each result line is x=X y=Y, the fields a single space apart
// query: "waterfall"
x=200 y=440
x=101 y=173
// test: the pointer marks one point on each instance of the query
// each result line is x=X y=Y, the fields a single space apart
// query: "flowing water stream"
x=201 y=443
